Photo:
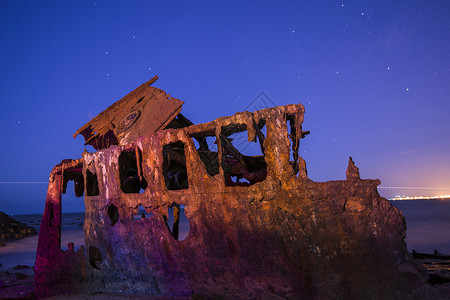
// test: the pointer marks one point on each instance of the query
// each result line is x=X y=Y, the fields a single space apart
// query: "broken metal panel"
x=143 y=111
x=55 y=270
x=74 y=173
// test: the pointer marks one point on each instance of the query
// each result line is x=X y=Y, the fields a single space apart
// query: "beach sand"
x=23 y=252
x=102 y=296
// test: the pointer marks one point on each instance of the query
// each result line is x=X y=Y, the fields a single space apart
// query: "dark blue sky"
x=373 y=75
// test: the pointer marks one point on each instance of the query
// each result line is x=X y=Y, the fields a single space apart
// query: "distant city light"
x=420 y=197
x=414 y=188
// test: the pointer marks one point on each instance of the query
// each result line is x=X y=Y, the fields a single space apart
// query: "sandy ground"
x=23 y=252
x=17 y=260
x=101 y=296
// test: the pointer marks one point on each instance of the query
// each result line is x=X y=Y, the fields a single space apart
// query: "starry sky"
x=373 y=76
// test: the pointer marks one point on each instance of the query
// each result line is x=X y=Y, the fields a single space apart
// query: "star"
x=388 y=68
x=407 y=89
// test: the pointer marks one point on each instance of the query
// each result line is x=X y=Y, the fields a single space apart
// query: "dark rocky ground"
x=11 y=230
x=19 y=284
x=437 y=265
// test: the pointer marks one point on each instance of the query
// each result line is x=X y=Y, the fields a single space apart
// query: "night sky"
x=373 y=76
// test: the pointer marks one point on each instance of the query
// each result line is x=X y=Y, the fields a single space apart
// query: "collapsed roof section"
x=144 y=111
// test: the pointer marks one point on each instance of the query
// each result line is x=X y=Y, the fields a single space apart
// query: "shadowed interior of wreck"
x=240 y=169
x=174 y=166
x=131 y=179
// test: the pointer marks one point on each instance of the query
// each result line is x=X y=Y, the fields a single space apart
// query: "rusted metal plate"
x=143 y=111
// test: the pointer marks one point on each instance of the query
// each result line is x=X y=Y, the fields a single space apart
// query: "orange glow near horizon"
x=420 y=197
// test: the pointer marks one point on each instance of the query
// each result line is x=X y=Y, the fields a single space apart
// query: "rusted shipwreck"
x=259 y=228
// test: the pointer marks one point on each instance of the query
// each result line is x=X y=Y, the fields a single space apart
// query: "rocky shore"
x=11 y=230
x=17 y=283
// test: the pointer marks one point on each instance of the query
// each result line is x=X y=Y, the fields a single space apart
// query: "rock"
x=20 y=276
x=352 y=170
x=21 y=267
x=13 y=230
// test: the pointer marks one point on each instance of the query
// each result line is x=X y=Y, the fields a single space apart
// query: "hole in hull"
x=113 y=214
x=142 y=214
x=174 y=166
x=243 y=162
x=95 y=257
x=177 y=222
x=72 y=209
x=131 y=179
x=206 y=147
x=91 y=184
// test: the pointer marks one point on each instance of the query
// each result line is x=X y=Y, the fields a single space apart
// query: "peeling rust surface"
x=143 y=111
x=259 y=227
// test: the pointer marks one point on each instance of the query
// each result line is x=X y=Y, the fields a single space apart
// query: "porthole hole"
x=113 y=214
x=95 y=257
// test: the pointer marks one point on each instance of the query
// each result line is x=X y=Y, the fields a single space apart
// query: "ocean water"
x=428 y=223
x=23 y=252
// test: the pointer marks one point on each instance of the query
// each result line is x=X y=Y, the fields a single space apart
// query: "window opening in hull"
x=174 y=166
x=113 y=214
x=295 y=133
x=206 y=147
x=91 y=184
x=130 y=171
x=72 y=210
x=293 y=149
x=177 y=221
x=243 y=162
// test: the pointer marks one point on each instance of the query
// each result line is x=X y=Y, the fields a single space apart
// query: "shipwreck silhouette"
x=259 y=227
